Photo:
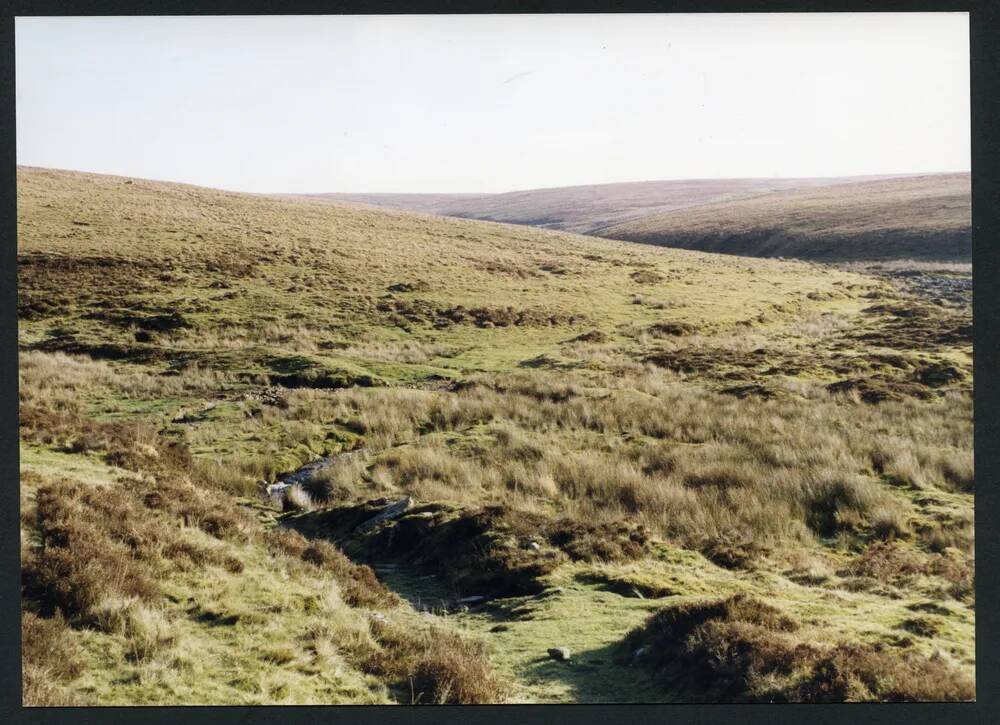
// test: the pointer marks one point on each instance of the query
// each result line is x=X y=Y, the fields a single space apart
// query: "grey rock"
x=392 y=511
x=559 y=654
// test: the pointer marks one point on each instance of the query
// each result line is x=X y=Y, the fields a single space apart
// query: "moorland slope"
x=923 y=217
x=709 y=477
x=580 y=209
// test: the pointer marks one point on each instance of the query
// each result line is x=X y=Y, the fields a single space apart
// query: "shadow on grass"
x=600 y=675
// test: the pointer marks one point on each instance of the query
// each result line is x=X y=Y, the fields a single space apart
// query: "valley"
x=925 y=217
x=709 y=477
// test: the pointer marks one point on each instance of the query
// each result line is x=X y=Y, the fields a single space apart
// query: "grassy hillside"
x=424 y=203
x=580 y=209
x=708 y=477
x=925 y=217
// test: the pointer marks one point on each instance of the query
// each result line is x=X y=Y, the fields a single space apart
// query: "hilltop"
x=709 y=477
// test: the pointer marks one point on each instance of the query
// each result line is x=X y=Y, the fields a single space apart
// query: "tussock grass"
x=438 y=667
x=796 y=431
x=49 y=661
x=103 y=561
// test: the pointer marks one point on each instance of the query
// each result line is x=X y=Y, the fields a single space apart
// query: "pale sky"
x=492 y=103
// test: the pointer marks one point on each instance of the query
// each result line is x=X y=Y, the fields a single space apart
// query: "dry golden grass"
x=743 y=649
x=103 y=562
x=924 y=217
x=799 y=431
x=581 y=209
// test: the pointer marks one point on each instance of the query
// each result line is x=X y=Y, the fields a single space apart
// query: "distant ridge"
x=878 y=217
x=922 y=217
x=583 y=209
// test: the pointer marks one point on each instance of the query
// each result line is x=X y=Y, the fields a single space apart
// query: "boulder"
x=559 y=654
x=390 y=512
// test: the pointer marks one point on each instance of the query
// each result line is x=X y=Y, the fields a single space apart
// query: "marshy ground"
x=709 y=477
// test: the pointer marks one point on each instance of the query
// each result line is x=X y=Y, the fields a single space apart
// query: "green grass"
x=558 y=377
x=50 y=462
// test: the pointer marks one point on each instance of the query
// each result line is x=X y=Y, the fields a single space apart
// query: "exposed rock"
x=559 y=654
x=390 y=512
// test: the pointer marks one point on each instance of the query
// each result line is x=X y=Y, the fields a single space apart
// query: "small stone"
x=551 y=592
x=534 y=546
x=559 y=654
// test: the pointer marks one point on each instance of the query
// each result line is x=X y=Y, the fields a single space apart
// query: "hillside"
x=925 y=217
x=708 y=477
x=424 y=203
x=580 y=209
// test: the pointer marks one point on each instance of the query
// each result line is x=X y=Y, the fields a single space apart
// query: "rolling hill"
x=850 y=218
x=699 y=477
x=579 y=209
x=923 y=217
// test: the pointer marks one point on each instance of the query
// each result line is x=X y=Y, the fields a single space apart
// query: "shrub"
x=888 y=524
x=837 y=503
x=743 y=649
x=77 y=568
x=456 y=671
x=49 y=659
x=145 y=630
x=434 y=666
x=717 y=644
x=855 y=672
x=359 y=585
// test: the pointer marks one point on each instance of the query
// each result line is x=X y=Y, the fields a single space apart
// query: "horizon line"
x=888 y=174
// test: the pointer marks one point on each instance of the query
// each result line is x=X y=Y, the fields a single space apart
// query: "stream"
x=572 y=612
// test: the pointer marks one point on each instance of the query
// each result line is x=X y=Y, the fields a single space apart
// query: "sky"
x=492 y=103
